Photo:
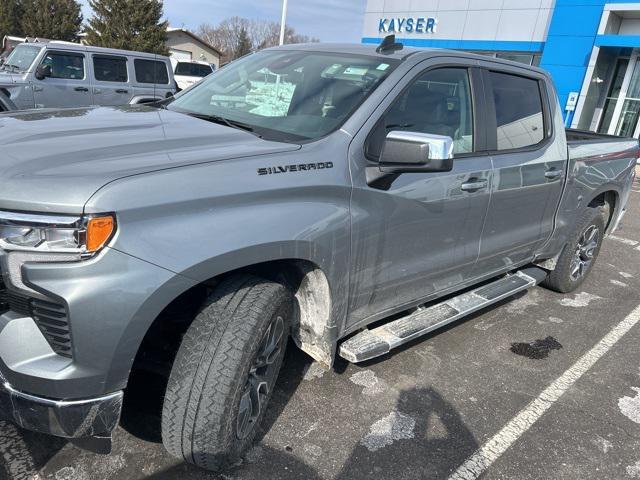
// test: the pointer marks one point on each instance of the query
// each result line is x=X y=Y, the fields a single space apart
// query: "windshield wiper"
x=223 y=121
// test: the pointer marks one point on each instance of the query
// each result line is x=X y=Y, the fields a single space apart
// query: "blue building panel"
x=617 y=41
x=566 y=50
x=478 y=45
x=575 y=20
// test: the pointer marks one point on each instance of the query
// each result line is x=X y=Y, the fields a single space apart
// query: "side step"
x=369 y=344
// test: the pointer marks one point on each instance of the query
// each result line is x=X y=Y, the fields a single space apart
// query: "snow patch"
x=618 y=283
x=630 y=406
x=369 y=381
x=393 y=427
x=602 y=443
x=521 y=304
x=625 y=275
x=582 y=299
x=313 y=371
x=634 y=470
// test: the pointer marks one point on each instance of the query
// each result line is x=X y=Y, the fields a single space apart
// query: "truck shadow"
x=425 y=439
x=438 y=443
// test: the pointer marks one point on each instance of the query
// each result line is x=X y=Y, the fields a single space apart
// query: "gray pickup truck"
x=347 y=197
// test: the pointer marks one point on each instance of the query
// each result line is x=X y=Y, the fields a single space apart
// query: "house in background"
x=185 y=45
x=9 y=42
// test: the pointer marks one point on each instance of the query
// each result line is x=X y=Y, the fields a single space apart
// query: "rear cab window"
x=519 y=111
x=151 y=71
x=108 y=68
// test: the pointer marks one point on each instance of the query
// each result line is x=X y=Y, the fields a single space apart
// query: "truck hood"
x=55 y=160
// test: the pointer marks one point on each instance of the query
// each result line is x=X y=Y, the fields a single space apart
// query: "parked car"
x=189 y=72
x=61 y=74
x=348 y=197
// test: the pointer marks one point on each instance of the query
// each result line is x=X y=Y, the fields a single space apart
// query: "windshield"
x=22 y=58
x=286 y=95
x=193 y=69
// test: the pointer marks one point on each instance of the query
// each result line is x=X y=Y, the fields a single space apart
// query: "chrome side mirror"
x=411 y=149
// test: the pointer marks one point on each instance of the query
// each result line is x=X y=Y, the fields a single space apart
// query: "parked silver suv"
x=60 y=74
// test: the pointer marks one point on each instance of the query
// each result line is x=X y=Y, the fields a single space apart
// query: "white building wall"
x=502 y=20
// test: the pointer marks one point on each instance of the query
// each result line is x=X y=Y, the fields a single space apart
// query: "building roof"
x=196 y=38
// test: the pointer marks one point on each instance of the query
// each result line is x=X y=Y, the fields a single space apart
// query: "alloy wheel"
x=585 y=251
x=262 y=376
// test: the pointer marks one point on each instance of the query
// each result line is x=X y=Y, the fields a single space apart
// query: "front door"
x=528 y=168
x=421 y=235
x=67 y=84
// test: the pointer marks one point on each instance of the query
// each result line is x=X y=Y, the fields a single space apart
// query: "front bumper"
x=77 y=419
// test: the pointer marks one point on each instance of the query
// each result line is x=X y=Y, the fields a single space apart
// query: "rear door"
x=111 y=80
x=151 y=78
x=528 y=167
x=421 y=235
x=69 y=84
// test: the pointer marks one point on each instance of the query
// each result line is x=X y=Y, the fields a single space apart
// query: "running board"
x=369 y=344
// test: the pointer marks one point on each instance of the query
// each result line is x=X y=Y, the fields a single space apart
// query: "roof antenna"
x=389 y=45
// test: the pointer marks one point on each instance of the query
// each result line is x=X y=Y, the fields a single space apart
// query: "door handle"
x=474 y=184
x=81 y=89
x=122 y=90
x=553 y=173
x=37 y=88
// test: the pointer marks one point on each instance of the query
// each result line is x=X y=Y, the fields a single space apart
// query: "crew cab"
x=64 y=75
x=351 y=198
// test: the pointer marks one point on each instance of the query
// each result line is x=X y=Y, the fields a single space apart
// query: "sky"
x=327 y=20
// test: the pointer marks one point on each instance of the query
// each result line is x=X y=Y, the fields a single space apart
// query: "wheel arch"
x=609 y=199
x=313 y=328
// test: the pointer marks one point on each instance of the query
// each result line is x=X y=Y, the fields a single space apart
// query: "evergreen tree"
x=10 y=18
x=243 y=47
x=53 y=19
x=128 y=24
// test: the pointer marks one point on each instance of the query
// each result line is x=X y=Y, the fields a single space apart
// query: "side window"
x=151 y=71
x=519 y=114
x=438 y=102
x=110 y=69
x=64 y=65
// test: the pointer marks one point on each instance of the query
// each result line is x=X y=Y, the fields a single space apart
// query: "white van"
x=188 y=72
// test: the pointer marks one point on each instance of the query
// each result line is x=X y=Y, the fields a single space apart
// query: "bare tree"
x=228 y=35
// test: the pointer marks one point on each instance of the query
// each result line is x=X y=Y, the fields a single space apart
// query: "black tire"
x=564 y=278
x=216 y=372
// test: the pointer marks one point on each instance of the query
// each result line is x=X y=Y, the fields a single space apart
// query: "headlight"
x=50 y=238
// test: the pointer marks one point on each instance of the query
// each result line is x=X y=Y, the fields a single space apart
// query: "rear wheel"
x=579 y=254
x=225 y=372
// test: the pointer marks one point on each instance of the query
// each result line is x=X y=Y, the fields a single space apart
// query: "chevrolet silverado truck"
x=351 y=198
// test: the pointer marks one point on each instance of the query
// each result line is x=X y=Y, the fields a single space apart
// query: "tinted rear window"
x=110 y=69
x=192 y=69
x=518 y=111
x=151 y=71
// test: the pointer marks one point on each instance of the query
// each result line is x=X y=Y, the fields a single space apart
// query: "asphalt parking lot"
x=542 y=386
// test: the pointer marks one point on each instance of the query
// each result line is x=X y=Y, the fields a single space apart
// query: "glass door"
x=627 y=110
x=613 y=95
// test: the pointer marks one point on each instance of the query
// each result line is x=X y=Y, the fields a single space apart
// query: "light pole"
x=283 y=21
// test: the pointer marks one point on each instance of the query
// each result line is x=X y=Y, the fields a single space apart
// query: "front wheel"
x=579 y=254
x=225 y=372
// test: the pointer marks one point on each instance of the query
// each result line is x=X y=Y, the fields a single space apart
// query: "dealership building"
x=590 y=47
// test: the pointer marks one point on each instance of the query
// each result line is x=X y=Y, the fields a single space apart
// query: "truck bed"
x=581 y=136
